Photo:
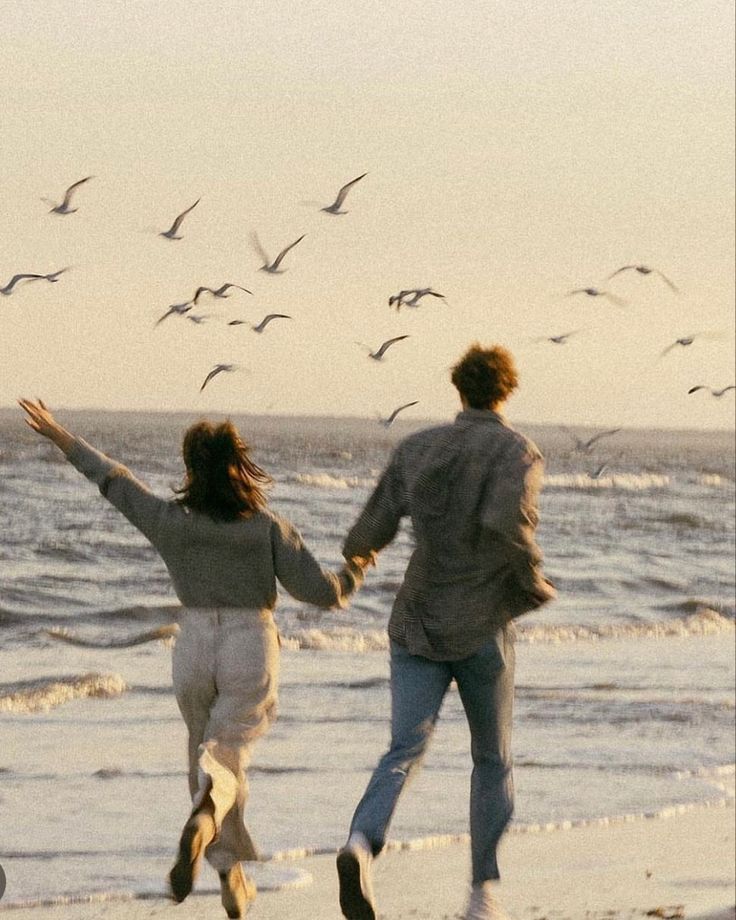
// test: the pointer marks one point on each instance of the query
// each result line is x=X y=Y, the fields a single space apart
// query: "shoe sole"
x=233 y=908
x=353 y=901
x=184 y=871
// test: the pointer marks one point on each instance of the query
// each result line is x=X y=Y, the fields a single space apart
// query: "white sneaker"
x=483 y=905
x=354 y=871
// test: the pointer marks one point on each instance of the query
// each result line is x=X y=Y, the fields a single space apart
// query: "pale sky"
x=513 y=151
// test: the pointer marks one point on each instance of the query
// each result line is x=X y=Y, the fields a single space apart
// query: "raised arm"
x=118 y=485
x=303 y=577
x=40 y=419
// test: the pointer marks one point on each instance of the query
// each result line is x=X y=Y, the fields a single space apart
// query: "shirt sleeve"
x=378 y=522
x=510 y=512
x=120 y=487
x=303 y=577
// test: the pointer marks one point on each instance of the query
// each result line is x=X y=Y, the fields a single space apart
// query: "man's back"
x=470 y=489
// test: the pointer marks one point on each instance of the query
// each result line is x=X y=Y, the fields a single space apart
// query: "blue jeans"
x=418 y=686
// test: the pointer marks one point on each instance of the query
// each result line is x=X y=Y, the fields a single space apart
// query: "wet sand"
x=679 y=866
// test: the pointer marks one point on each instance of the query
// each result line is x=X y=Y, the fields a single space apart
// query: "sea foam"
x=47 y=693
x=625 y=482
x=704 y=622
x=327 y=481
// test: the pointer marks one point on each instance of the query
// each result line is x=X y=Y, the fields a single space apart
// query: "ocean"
x=625 y=699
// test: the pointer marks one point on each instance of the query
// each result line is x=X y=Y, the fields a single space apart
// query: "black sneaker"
x=198 y=833
x=356 y=890
x=237 y=891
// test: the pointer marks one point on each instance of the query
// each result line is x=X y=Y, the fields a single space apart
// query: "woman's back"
x=216 y=563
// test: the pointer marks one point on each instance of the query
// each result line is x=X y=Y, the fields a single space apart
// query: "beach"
x=680 y=866
x=338 y=226
x=624 y=690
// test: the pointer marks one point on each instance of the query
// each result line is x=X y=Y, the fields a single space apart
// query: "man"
x=470 y=489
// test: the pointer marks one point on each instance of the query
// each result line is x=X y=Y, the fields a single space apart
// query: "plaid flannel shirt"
x=471 y=490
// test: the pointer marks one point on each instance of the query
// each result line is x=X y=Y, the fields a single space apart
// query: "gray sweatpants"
x=225 y=671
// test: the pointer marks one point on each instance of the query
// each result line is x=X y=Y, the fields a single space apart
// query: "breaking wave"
x=44 y=694
x=342 y=639
x=687 y=618
x=625 y=482
x=715 y=481
x=152 y=635
x=704 y=622
x=327 y=481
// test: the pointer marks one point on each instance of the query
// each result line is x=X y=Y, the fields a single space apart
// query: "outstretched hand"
x=40 y=419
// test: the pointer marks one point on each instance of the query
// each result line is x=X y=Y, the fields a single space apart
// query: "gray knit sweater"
x=216 y=563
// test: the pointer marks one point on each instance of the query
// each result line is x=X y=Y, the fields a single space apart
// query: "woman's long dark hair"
x=221 y=480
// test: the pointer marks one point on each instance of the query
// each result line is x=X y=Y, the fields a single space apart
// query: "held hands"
x=40 y=419
x=363 y=562
x=355 y=567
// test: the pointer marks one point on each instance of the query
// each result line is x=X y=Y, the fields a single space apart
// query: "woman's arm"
x=304 y=578
x=41 y=420
x=116 y=483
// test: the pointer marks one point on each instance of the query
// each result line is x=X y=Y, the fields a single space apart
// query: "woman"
x=224 y=551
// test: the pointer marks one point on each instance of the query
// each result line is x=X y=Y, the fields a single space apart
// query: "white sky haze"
x=513 y=151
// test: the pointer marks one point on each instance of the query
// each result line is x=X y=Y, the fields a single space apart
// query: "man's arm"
x=378 y=522
x=509 y=513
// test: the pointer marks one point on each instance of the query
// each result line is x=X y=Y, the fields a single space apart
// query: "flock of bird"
x=409 y=297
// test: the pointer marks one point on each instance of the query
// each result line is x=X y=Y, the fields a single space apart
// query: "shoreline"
x=675 y=863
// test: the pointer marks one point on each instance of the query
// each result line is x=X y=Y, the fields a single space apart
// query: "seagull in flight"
x=268 y=266
x=380 y=352
x=557 y=339
x=684 y=341
x=586 y=446
x=403 y=298
x=388 y=422
x=52 y=277
x=264 y=322
x=170 y=234
x=645 y=270
x=218 y=369
x=64 y=208
x=597 y=292
x=198 y=318
x=176 y=308
x=712 y=392
x=218 y=292
x=334 y=208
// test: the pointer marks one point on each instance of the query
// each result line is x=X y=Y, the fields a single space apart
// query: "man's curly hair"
x=485 y=376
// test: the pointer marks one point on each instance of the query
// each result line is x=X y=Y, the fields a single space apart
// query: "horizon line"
x=369 y=418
